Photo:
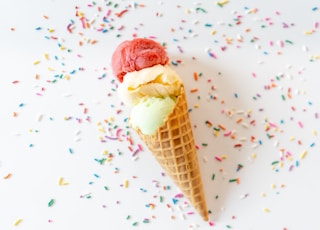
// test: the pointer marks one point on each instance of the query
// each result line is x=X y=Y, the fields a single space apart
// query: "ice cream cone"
x=173 y=147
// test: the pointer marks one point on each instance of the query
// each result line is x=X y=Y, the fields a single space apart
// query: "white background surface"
x=265 y=72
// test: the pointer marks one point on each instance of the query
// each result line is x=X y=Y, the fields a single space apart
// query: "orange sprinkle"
x=239 y=120
x=37 y=77
x=15 y=114
x=7 y=176
x=193 y=90
x=93 y=42
x=45 y=17
x=195 y=76
x=221 y=127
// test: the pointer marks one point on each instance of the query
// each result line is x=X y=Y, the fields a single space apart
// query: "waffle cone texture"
x=173 y=147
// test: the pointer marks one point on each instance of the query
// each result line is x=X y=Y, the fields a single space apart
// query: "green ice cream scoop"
x=150 y=113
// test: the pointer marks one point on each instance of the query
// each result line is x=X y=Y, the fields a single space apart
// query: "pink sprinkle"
x=272 y=125
x=254 y=75
x=190 y=213
x=218 y=158
x=227 y=133
x=178 y=195
x=316 y=24
x=300 y=124
x=280 y=43
x=211 y=223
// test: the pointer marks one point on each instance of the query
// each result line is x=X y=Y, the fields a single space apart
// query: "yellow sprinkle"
x=111 y=119
x=61 y=181
x=280 y=164
x=215 y=133
x=273 y=186
x=17 y=222
x=187 y=11
x=314 y=132
x=263 y=194
x=105 y=152
x=102 y=130
x=67 y=77
x=51 y=30
x=266 y=210
x=303 y=154
x=253 y=155
x=62 y=48
x=46 y=56
x=212 y=32
x=222 y=3
x=196 y=106
x=50 y=69
x=308 y=32
x=125 y=184
x=289 y=158
x=224 y=157
x=292 y=138
x=36 y=62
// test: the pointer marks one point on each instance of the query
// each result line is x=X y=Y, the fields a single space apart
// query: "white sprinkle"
x=135 y=158
x=305 y=48
x=39 y=117
x=245 y=125
x=76 y=133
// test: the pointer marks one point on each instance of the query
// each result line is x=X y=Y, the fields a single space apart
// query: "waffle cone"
x=173 y=147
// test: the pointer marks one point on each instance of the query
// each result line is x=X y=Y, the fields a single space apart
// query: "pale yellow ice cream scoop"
x=155 y=81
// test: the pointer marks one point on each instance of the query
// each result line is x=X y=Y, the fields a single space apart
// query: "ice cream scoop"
x=137 y=54
x=155 y=81
x=150 y=113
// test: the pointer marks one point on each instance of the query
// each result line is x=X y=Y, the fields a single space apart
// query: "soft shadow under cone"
x=173 y=147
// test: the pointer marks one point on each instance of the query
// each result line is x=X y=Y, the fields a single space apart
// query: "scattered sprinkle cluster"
x=234 y=127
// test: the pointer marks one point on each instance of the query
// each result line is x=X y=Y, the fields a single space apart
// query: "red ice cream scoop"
x=135 y=55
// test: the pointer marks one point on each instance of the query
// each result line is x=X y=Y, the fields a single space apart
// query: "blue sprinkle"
x=312 y=144
x=174 y=201
x=96 y=175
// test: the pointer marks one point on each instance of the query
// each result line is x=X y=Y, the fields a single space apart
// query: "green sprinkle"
x=204 y=144
x=51 y=202
x=106 y=188
x=289 y=42
x=283 y=97
x=213 y=176
x=201 y=9
x=146 y=221
x=275 y=162
x=161 y=199
x=232 y=180
x=128 y=217
x=134 y=223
